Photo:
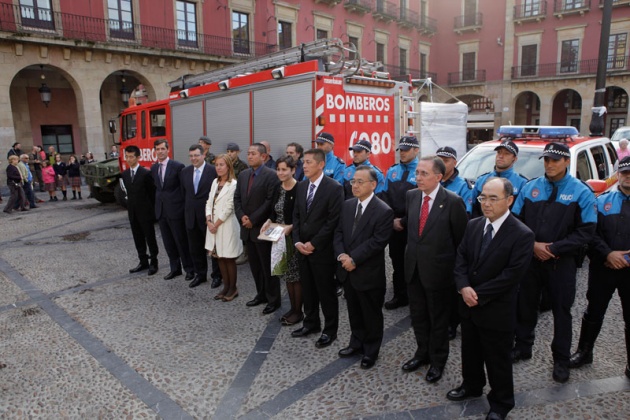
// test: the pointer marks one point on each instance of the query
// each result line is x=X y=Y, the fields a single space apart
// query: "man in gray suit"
x=436 y=220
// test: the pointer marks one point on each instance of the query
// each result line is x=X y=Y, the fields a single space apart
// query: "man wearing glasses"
x=491 y=260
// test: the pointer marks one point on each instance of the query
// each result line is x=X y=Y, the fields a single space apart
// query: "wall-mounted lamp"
x=499 y=41
x=566 y=104
x=278 y=73
x=44 y=91
x=527 y=105
x=488 y=109
x=183 y=93
x=224 y=84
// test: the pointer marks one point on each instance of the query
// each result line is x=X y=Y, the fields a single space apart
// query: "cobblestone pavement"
x=82 y=338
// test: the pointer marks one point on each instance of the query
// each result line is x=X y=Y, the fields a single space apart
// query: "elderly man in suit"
x=252 y=205
x=435 y=219
x=361 y=236
x=317 y=209
x=196 y=181
x=141 y=209
x=169 y=210
x=491 y=261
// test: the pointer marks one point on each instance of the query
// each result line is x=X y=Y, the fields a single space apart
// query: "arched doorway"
x=567 y=109
x=527 y=109
x=616 y=101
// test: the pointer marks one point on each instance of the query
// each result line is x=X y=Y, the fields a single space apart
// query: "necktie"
x=161 y=174
x=133 y=173
x=309 y=199
x=251 y=182
x=485 y=242
x=424 y=214
x=554 y=194
x=357 y=217
x=196 y=179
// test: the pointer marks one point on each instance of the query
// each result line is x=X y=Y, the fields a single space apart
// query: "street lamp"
x=44 y=91
x=124 y=92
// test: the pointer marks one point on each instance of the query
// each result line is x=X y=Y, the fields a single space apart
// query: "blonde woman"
x=223 y=236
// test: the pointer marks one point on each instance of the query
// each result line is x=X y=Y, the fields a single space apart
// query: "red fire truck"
x=288 y=96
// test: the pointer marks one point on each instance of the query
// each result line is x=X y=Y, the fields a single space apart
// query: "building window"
x=531 y=8
x=240 y=32
x=37 y=14
x=354 y=41
x=380 y=52
x=528 y=60
x=120 y=19
x=423 y=66
x=615 y=123
x=569 y=56
x=470 y=12
x=186 y=24
x=59 y=136
x=617 y=44
x=573 y=4
x=403 y=61
x=468 y=66
x=321 y=34
x=284 y=35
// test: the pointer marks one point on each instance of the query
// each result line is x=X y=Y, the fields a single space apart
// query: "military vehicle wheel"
x=121 y=196
x=103 y=196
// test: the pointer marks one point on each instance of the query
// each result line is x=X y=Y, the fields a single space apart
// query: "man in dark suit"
x=361 y=236
x=491 y=260
x=141 y=209
x=252 y=205
x=435 y=219
x=317 y=209
x=195 y=181
x=169 y=210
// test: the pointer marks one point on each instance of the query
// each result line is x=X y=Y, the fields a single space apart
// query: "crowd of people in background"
x=480 y=256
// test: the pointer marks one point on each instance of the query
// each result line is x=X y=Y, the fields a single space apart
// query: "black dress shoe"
x=367 y=362
x=348 y=351
x=256 y=301
x=560 y=372
x=518 y=354
x=173 y=274
x=461 y=393
x=269 y=309
x=140 y=267
x=325 y=340
x=493 y=415
x=153 y=268
x=434 y=374
x=197 y=281
x=216 y=282
x=303 y=332
x=189 y=276
x=414 y=364
x=394 y=303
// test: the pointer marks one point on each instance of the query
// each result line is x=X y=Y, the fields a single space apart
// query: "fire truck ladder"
x=336 y=57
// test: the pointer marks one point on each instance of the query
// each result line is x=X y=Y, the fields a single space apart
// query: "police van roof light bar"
x=541 y=132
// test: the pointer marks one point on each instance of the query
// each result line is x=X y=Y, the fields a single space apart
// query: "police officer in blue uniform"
x=506 y=157
x=401 y=177
x=334 y=164
x=609 y=268
x=361 y=152
x=561 y=211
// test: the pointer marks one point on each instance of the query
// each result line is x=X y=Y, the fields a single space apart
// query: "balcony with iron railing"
x=408 y=18
x=428 y=25
x=403 y=73
x=530 y=12
x=23 y=22
x=568 y=7
x=385 y=11
x=616 y=3
x=359 y=6
x=467 y=77
x=468 y=23
x=570 y=68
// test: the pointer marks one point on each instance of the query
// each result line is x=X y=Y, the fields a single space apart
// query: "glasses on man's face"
x=492 y=200
x=358 y=182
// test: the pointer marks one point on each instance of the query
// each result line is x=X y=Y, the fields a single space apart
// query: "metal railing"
x=470 y=20
x=386 y=8
x=568 y=6
x=476 y=76
x=581 y=67
x=23 y=20
x=615 y=2
x=428 y=24
x=531 y=10
x=410 y=17
x=397 y=72
x=362 y=4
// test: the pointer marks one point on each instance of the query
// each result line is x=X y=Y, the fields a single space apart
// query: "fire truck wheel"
x=103 y=196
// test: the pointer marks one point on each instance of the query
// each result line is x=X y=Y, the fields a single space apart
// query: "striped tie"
x=309 y=199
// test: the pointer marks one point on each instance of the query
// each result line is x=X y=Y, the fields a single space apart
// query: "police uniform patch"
x=394 y=175
x=607 y=206
x=535 y=192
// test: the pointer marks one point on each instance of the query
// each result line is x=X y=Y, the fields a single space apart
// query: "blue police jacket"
x=334 y=167
x=459 y=186
x=401 y=177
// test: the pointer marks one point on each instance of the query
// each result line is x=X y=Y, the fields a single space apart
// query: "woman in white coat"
x=223 y=236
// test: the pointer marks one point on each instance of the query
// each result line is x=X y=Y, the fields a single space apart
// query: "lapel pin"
x=441 y=205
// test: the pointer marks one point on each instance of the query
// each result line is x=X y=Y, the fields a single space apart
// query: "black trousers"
x=397 y=245
x=176 y=244
x=267 y=286
x=365 y=311
x=16 y=199
x=559 y=276
x=143 y=232
x=319 y=288
x=602 y=283
x=430 y=311
x=197 y=250
x=482 y=346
